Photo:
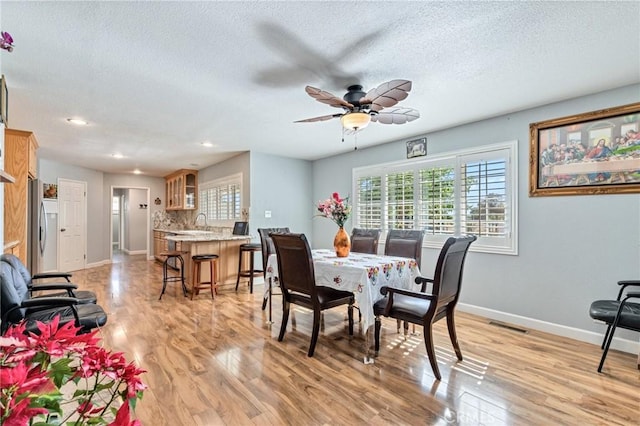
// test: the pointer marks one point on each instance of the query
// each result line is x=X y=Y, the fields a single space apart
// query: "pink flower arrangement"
x=6 y=41
x=98 y=384
x=335 y=208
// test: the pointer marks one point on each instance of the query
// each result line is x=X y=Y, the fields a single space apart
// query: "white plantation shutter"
x=483 y=209
x=368 y=202
x=436 y=203
x=220 y=199
x=399 y=200
x=465 y=192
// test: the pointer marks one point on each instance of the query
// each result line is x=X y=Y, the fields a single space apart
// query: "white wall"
x=572 y=249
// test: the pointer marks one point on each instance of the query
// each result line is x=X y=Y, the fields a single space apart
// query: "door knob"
x=63 y=229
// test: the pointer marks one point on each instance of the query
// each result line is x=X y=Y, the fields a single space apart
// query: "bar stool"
x=197 y=261
x=165 y=271
x=251 y=272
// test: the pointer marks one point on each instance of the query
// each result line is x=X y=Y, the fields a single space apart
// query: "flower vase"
x=341 y=243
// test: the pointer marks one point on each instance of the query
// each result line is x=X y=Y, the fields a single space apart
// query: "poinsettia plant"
x=62 y=374
x=335 y=208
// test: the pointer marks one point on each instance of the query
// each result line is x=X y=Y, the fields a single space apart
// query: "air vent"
x=509 y=327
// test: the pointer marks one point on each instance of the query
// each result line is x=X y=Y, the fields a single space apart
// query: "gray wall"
x=137 y=221
x=232 y=166
x=572 y=249
x=97 y=215
x=282 y=186
x=99 y=201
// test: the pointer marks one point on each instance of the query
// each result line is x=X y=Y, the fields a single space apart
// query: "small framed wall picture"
x=417 y=148
x=50 y=190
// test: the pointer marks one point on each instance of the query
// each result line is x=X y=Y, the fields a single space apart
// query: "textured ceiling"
x=156 y=79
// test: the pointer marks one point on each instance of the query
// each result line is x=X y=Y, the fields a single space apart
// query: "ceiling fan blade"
x=327 y=98
x=321 y=118
x=387 y=94
x=396 y=116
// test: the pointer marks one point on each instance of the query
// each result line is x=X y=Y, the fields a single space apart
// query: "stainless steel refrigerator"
x=43 y=228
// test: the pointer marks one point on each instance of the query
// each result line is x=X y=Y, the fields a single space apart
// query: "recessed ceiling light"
x=137 y=172
x=117 y=155
x=207 y=144
x=77 y=121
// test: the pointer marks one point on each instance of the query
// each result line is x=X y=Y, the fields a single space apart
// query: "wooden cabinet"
x=182 y=190
x=159 y=245
x=20 y=161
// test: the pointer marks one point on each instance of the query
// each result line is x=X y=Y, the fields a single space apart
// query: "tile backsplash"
x=163 y=219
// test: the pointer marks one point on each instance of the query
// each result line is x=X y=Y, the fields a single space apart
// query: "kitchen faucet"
x=195 y=222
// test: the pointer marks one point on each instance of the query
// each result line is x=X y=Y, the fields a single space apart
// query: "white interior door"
x=72 y=224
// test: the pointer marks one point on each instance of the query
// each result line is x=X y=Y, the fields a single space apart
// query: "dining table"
x=361 y=273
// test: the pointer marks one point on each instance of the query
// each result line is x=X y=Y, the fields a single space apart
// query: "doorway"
x=129 y=222
x=117 y=221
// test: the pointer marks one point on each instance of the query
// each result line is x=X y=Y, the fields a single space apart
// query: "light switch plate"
x=267 y=213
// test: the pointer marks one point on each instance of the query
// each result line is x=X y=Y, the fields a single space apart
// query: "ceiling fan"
x=360 y=108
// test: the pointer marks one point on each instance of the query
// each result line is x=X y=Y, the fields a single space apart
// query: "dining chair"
x=365 y=240
x=418 y=307
x=267 y=250
x=617 y=313
x=297 y=281
x=405 y=243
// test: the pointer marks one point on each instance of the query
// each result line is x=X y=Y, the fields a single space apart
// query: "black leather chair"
x=16 y=305
x=365 y=240
x=68 y=289
x=421 y=308
x=619 y=313
x=240 y=228
x=405 y=243
x=268 y=249
x=297 y=281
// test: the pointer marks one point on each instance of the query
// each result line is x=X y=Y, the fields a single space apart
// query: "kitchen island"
x=226 y=246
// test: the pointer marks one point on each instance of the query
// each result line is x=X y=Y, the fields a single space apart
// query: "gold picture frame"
x=592 y=153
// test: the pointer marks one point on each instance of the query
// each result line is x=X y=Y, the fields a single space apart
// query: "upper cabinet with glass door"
x=182 y=190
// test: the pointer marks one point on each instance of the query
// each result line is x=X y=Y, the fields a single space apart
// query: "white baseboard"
x=96 y=264
x=623 y=345
x=134 y=252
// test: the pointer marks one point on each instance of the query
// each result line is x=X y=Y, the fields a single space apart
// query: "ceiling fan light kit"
x=361 y=108
x=355 y=120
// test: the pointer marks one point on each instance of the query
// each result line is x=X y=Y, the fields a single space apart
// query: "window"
x=464 y=192
x=220 y=199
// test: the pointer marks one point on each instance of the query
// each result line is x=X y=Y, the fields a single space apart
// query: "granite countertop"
x=195 y=235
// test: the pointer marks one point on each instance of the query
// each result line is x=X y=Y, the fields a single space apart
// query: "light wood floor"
x=219 y=363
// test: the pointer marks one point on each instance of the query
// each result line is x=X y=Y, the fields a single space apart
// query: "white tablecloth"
x=363 y=274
